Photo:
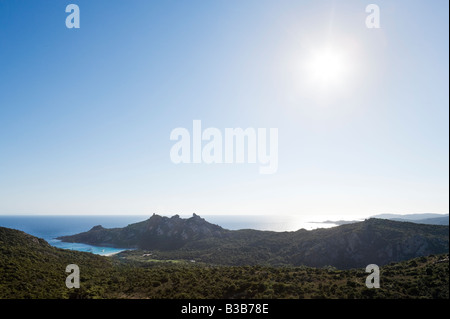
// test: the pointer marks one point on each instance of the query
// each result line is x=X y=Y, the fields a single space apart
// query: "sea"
x=49 y=227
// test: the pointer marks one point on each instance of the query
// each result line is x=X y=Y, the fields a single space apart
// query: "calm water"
x=50 y=227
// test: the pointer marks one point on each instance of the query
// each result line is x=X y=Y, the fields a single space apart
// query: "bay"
x=49 y=227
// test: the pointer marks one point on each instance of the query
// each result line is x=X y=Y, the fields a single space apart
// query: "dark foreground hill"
x=347 y=246
x=31 y=268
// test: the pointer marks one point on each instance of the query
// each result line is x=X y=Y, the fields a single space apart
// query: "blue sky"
x=86 y=114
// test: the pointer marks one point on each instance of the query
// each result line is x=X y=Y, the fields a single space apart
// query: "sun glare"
x=324 y=73
x=327 y=67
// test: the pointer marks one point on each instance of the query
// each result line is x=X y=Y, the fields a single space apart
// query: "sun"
x=325 y=71
x=328 y=67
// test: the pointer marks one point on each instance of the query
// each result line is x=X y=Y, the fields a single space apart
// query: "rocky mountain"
x=347 y=246
x=157 y=232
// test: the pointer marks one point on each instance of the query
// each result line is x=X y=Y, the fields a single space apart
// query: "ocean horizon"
x=49 y=227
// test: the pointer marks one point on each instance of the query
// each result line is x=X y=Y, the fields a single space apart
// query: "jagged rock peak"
x=175 y=217
x=155 y=217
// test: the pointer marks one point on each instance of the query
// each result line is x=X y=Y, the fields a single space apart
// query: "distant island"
x=347 y=246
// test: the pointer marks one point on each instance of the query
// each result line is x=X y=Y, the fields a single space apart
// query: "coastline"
x=112 y=254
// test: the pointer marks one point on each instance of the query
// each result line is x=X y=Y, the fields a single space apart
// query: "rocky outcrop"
x=157 y=232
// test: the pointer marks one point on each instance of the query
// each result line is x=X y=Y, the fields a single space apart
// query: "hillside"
x=30 y=268
x=409 y=216
x=346 y=246
x=431 y=219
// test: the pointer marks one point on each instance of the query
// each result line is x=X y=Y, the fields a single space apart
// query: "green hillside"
x=30 y=268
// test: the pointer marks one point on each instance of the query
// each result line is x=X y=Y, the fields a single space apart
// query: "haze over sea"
x=49 y=227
